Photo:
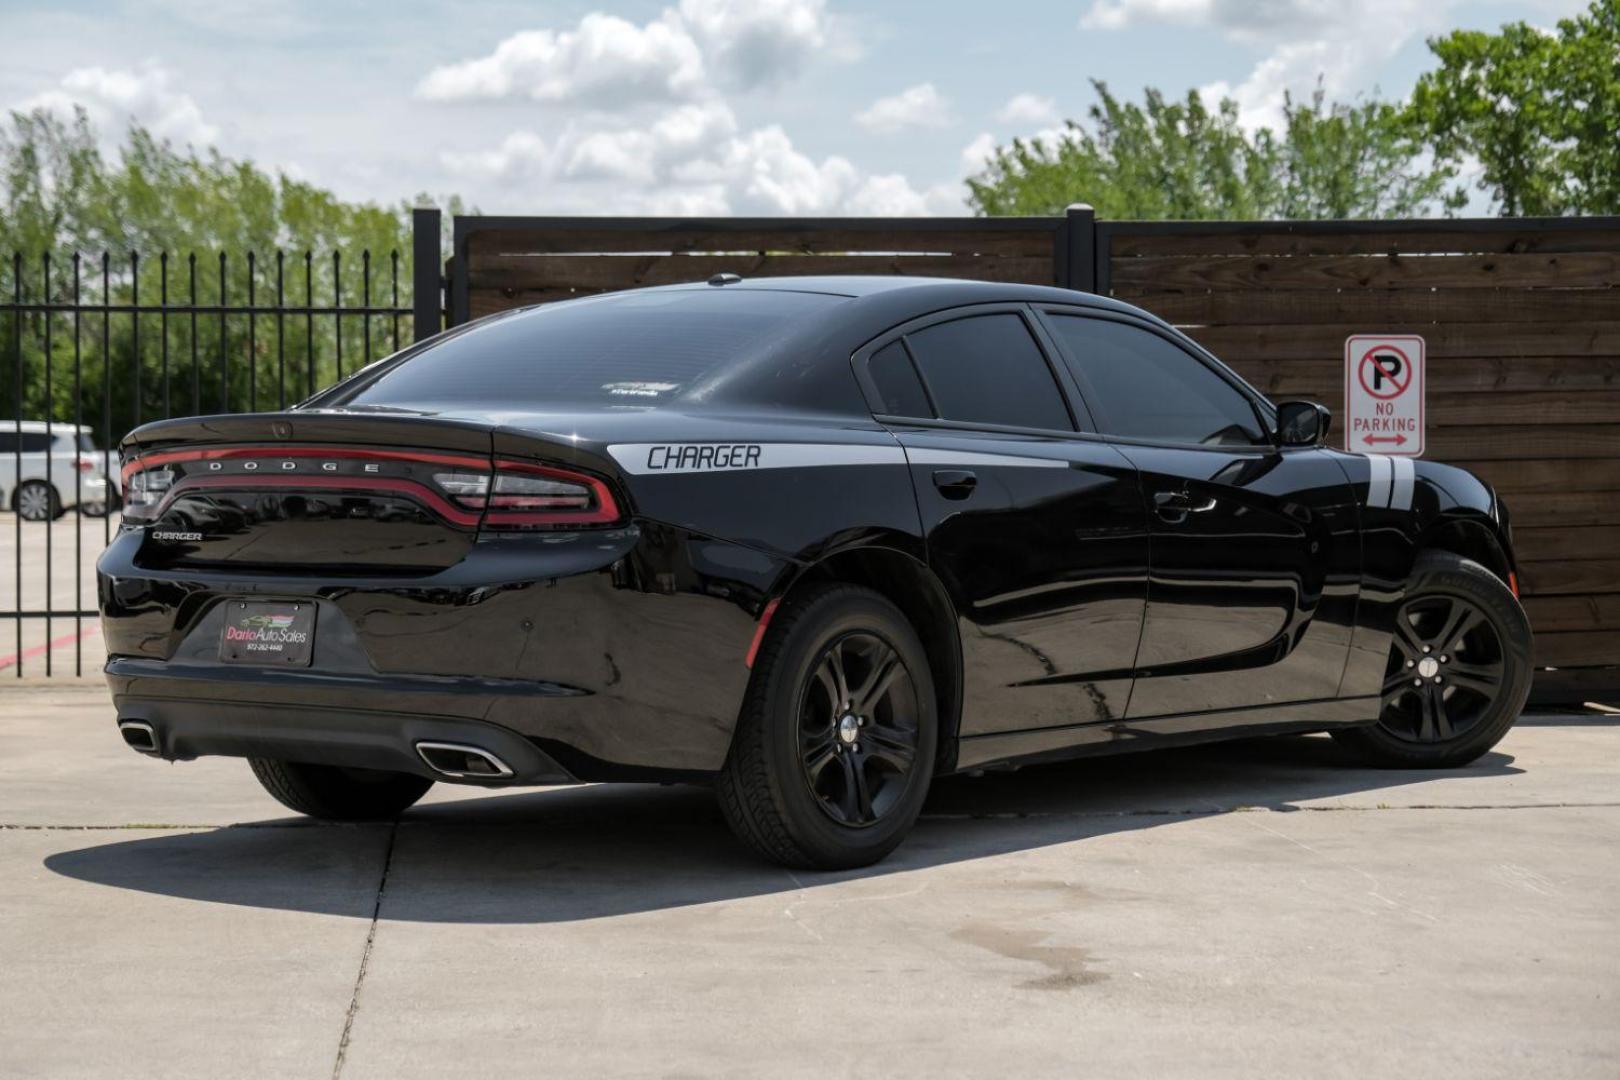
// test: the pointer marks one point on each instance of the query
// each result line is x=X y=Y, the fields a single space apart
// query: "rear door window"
x=987 y=369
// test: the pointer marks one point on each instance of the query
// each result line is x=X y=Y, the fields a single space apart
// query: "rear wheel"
x=1458 y=671
x=37 y=501
x=335 y=793
x=834 y=749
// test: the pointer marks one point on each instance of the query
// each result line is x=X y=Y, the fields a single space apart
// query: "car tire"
x=1459 y=669
x=35 y=500
x=816 y=783
x=334 y=793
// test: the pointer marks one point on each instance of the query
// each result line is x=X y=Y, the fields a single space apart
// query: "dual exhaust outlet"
x=455 y=761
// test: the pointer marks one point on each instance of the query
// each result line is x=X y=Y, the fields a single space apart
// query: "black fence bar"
x=16 y=476
x=78 y=387
x=427 y=286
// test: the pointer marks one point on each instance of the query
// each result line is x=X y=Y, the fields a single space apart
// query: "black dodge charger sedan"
x=814 y=541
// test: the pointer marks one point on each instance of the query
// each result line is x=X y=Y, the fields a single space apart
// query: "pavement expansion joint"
x=365 y=957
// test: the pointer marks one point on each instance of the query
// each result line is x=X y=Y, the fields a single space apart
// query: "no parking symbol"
x=1383 y=394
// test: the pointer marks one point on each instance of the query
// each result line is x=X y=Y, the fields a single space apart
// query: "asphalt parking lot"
x=1249 y=910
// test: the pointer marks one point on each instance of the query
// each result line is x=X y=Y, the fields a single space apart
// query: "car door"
x=1037 y=530
x=1255 y=566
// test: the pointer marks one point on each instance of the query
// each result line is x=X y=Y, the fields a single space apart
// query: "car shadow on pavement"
x=566 y=854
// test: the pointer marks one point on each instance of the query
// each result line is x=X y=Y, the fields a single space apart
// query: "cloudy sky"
x=682 y=106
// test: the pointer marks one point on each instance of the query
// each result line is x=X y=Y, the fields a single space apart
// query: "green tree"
x=1538 y=111
x=1185 y=160
x=1366 y=160
x=154 y=221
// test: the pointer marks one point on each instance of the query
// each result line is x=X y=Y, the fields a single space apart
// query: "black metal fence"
x=100 y=344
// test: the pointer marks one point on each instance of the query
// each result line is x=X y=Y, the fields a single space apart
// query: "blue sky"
x=685 y=106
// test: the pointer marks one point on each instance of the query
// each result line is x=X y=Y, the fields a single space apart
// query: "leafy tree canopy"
x=1538 y=111
x=1183 y=159
x=59 y=192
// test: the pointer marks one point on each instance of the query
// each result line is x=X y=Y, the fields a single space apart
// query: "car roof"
x=36 y=426
x=857 y=286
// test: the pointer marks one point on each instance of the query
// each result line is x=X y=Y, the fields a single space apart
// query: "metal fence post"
x=1081 y=229
x=426 y=300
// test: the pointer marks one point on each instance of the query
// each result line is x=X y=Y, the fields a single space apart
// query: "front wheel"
x=335 y=793
x=37 y=501
x=1458 y=671
x=835 y=745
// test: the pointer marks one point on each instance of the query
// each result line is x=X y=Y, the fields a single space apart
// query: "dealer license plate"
x=273 y=633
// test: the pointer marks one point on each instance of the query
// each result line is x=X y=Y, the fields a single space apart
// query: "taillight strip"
x=349 y=453
x=607 y=508
x=398 y=485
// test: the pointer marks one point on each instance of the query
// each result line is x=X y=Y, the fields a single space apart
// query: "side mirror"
x=1303 y=423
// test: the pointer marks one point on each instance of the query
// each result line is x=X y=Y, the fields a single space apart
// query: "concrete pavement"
x=1257 y=909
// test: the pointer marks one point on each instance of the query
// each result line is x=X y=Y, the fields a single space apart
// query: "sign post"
x=1383 y=394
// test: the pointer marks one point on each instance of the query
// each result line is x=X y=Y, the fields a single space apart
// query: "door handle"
x=1174 y=506
x=955 y=483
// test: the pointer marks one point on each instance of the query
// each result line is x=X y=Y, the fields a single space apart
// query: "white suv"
x=77 y=474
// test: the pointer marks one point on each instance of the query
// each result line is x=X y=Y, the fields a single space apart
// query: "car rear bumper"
x=613 y=661
x=156 y=722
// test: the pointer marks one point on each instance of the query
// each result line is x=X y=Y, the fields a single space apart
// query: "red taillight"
x=460 y=488
x=85 y=464
x=145 y=490
x=528 y=496
x=521 y=495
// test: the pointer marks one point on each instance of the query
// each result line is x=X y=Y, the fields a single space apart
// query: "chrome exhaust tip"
x=462 y=762
x=139 y=736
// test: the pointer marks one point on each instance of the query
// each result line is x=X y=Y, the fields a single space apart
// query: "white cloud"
x=1241 y=18
x=692 y=159
x=521 y=154
x=114 y=98
x=917 y=106
x=752 y=43
x=609 y=62
x=977 y=154
x=1028 y=109
x=1306 y=40
x=638 y=155
x=604 y=62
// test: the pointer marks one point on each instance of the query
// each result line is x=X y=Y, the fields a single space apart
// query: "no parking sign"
x=1383 y=394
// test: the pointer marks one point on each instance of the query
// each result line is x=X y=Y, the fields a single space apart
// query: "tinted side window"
x=898 y=386
x=8 y=442
x=35 y=442
x=1142 y=386
x=987 y=369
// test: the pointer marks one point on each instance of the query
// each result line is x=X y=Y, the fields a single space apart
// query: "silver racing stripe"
x=1400 y=497
x=655 y=459
x=931 y=456
x=1379 y=471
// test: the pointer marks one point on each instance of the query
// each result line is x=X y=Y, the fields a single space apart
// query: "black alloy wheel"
x=858 y=729
x=837 y=738
x=1446 y=669
x=1458 y=672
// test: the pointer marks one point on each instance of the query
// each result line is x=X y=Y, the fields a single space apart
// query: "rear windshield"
x=633 y=349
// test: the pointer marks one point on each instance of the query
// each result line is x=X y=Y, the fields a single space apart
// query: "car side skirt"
x=1158 y=732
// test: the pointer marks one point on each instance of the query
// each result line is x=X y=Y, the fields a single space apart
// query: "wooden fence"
x=1521 y=317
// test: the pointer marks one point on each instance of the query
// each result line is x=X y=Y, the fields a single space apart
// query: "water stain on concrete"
x=1068 y=966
